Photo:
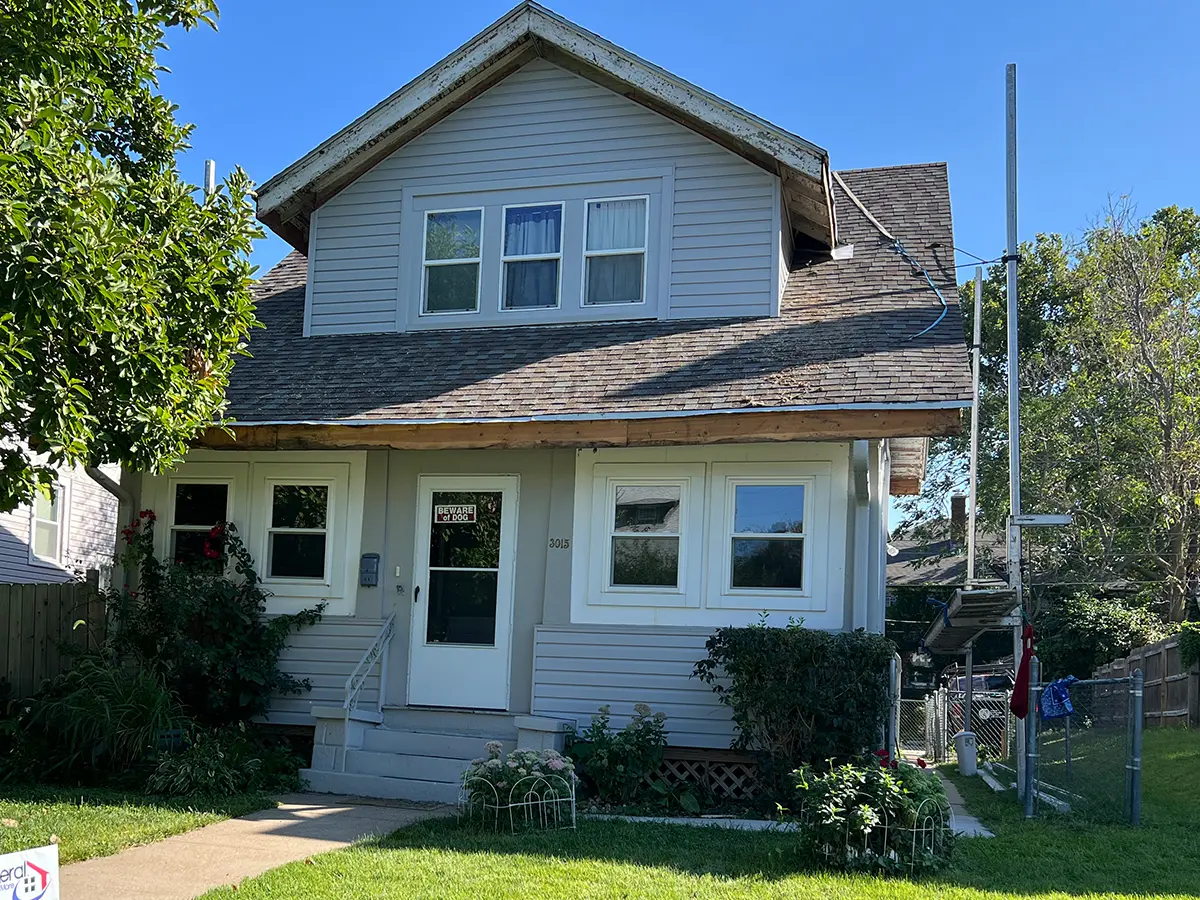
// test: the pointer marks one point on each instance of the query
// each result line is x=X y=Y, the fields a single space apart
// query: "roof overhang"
x=529 y=31
x=909 y=457
x=750 y=426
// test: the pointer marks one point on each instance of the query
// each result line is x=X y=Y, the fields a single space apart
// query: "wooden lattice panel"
x=721 y=773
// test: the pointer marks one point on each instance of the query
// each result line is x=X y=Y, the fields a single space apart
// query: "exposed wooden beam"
x=904 y=486
x=832 y=425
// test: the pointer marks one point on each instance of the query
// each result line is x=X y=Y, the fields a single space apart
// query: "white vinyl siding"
x=88 y=533
x=325 y=653
x=543 y=123
x=578 y=669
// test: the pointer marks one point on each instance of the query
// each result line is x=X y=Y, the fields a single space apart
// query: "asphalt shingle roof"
x=845 y=335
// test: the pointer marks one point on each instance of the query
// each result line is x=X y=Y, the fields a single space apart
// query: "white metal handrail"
x=377 y=652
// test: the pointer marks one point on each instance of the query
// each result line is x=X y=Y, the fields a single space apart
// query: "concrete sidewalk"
x=187 y=865
x=961 y=822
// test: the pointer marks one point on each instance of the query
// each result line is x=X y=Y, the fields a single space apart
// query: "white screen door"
x=462 y=595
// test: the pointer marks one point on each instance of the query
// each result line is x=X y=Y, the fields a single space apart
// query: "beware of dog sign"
x=454 y=514
x=30 y=874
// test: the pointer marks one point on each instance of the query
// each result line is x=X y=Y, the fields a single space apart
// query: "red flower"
x=882 y=754
x=133 y=595
x=921 y=763
x=147 y=514
x=217 y=531
x=895 y=763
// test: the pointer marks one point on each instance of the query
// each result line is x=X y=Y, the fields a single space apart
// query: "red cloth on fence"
x=1019 y=702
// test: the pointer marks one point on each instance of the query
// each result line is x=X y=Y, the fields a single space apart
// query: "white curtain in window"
x=532 y=230
x=616 y=224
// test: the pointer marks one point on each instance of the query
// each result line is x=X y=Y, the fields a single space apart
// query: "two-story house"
x=573 y=362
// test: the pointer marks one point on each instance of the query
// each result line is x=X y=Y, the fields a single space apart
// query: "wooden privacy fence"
x=36 y=620
x=1172 y=693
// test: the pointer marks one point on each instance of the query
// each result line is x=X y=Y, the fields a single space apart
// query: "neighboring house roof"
x=848 y=336
x=943 y=561
x=527 y=32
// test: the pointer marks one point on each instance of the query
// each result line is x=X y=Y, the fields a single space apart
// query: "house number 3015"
x=560 y=543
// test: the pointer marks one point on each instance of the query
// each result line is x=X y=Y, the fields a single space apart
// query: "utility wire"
x=900 y=249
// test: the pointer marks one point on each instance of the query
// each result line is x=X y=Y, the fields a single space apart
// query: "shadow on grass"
x=228 y=806
x=1023 y=860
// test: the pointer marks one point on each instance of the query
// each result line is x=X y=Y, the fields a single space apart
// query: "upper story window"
x=525 y=252
x=532 y=256
x=615 y=251
x=453 y=242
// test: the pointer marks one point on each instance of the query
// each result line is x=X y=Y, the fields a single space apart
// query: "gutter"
x=600 y=417
x=123 y=496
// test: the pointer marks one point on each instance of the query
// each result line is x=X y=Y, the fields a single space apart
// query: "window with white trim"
x=644 y=537
x=46 y=521
x=615 y=251
x=297 y=533
x=766 y=535
x=197 y=507
x=452 y=254
x=531 y=260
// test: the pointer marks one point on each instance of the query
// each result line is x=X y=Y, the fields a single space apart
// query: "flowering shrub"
x=618 y=763
x=199 y=626
x=495 y=781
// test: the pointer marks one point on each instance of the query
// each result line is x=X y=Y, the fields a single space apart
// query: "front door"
x=462 y=597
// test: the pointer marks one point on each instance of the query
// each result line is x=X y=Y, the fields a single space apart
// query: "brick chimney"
x=958 y=518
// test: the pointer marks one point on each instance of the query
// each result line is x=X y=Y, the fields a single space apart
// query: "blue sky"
x=1108 y=91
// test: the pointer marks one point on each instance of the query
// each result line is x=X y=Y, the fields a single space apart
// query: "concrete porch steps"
x=424 y=743
x=355 y=784
x=401 y=764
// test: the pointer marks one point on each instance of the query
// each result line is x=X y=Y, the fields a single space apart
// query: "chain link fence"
x=928 y=726
x=1086 y=751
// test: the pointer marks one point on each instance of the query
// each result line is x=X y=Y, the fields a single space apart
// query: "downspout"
x=860 y=468
x=124 y=513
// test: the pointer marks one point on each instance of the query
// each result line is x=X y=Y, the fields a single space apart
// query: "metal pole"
x=1031 y=752
x=1136 y=685
x=210 y=177
x=977 y=351
x=893 y=736
x=1014 y=407
x=969 y=697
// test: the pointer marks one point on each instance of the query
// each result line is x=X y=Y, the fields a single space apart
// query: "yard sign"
x=30 y=874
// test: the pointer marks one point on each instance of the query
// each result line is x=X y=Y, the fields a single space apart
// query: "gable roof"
x=847 y=337
x=529 y=31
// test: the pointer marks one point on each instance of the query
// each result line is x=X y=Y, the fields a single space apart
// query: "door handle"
x=416 y=593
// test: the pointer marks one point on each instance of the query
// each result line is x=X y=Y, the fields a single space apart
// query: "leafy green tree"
x=1110 y=406
x=124 y=297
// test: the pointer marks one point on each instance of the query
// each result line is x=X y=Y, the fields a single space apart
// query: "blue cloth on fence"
x=1056 y=698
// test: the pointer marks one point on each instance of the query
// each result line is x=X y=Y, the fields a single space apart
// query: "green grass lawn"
x=1047 y=858
x=97 y=822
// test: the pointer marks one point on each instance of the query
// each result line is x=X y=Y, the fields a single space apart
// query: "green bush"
x=1079 y=633
x=800 y=696
x=1189 y=644
x=617 y=764
x=866 y=817
x=219 y=763
x=97 y=719
x=201 y=628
